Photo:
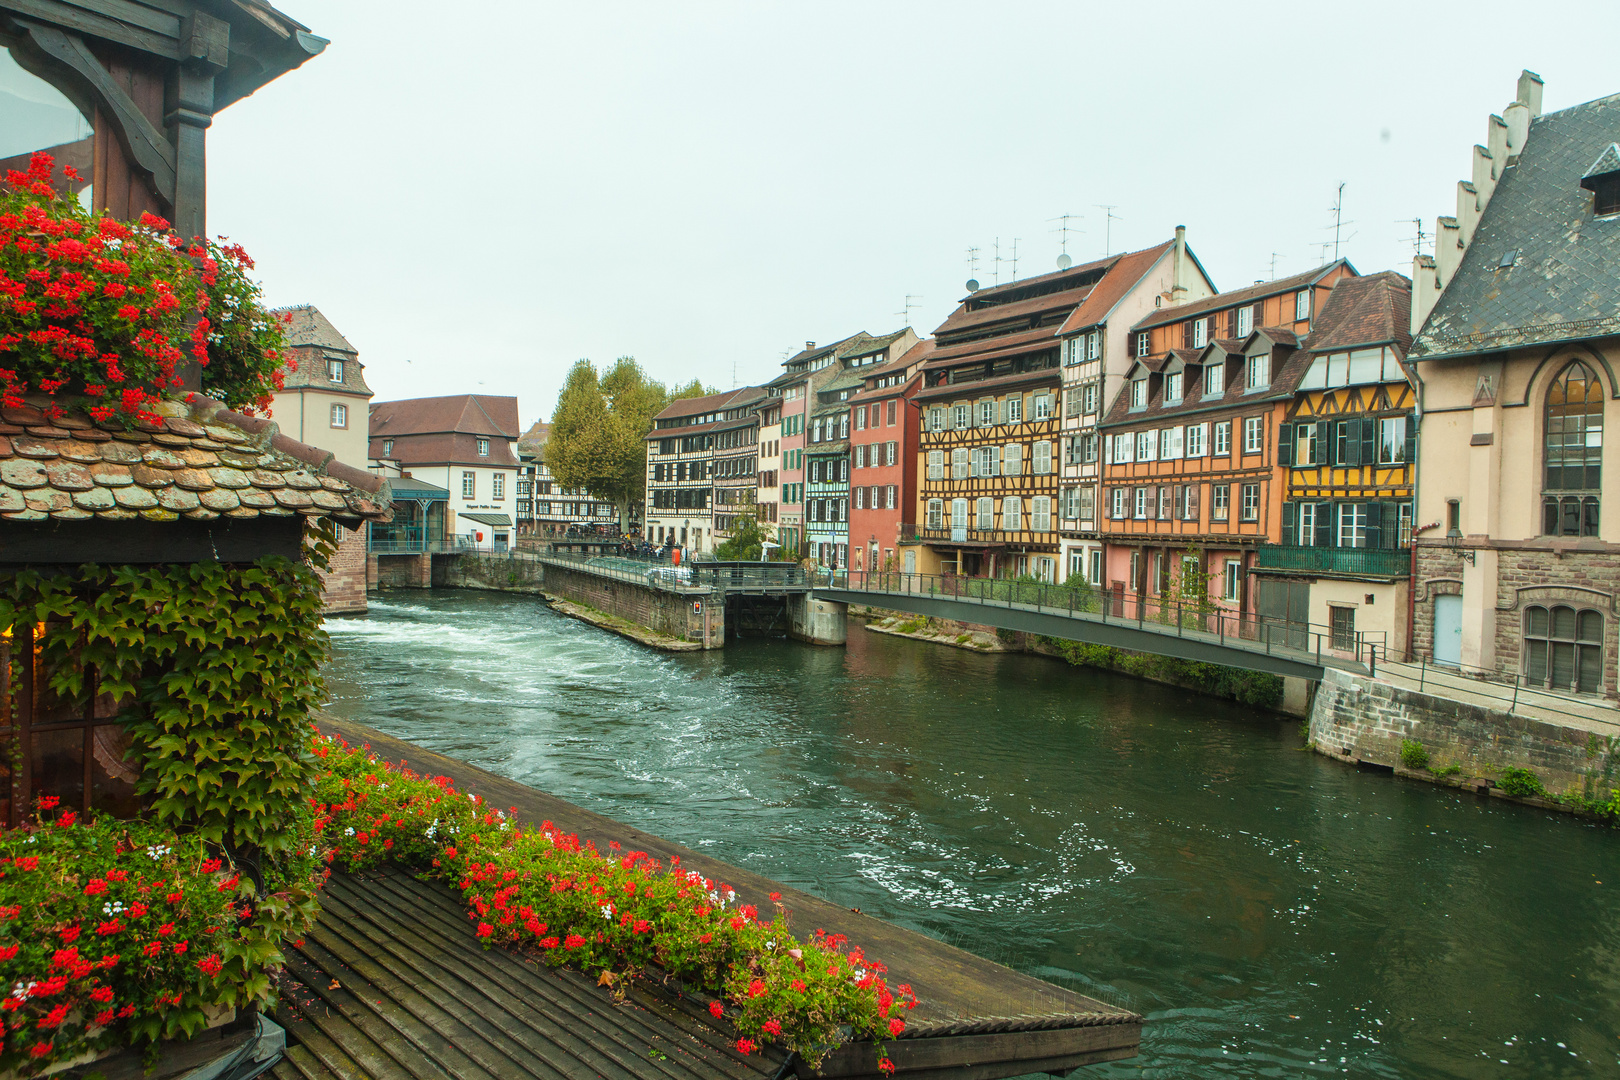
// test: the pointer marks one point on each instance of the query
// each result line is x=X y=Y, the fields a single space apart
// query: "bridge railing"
x=1182 y=618
x=675 y=579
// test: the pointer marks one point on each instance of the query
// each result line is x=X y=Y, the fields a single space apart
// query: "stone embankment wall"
x=1357 y=719
x=499 y=573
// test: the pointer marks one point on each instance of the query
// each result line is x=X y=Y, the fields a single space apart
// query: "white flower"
x=349 y=831
x=607 y=911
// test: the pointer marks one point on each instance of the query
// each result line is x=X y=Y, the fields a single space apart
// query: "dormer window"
x=1138 y=393
x=1257 y=372
x=1603 y=181
x=1213 y=380
x=1172 y=387
x=334 y=370
x=483 y=448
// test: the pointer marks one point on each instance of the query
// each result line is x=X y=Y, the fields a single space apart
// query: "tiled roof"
x=1119 y=280
x=877 y=344
x=533 y=441
x=1369 y=310
x=979 y=386
x=1222 y=301
x=1285 y=379
x=914 y=355
x=1559 y=281
x=308 y=326
x=969 y=352
x=202 y=462
x=696 y=406
x=463 y=414
x=845 y=347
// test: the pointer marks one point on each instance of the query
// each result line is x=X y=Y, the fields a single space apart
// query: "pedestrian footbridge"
x=1191 y=631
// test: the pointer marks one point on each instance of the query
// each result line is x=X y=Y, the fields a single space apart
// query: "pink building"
x=883 y=459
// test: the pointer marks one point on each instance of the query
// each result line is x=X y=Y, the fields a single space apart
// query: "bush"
x=1413 y=755
x=1521 y=783
x=608 y=914
x=1450 y=770
x=1248 y=687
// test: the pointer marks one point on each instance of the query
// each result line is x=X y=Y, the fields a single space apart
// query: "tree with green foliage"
x=599 y=428
x=748 y=538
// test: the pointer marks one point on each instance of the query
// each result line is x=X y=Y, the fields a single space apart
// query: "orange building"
x=1192 y=482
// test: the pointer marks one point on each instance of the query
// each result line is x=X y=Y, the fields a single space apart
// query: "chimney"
x=1178 y=286
x=1529 y=94
x=809 y=345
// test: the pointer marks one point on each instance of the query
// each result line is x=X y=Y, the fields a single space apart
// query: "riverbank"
x=623 y=627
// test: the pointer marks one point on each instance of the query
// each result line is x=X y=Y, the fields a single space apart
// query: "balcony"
x=1351 y=562
x=945 y=534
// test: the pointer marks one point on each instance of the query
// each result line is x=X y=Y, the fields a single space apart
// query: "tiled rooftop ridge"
x=201 y=463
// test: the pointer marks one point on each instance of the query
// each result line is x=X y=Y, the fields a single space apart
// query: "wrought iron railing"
x=1361 y=562
x=912 y=533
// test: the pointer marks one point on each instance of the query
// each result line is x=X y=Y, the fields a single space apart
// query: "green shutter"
x=1285 y=444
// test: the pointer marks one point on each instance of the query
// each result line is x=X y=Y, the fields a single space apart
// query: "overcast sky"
x=478 y=200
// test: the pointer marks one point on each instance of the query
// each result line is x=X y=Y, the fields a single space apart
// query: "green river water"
x=1272 y=913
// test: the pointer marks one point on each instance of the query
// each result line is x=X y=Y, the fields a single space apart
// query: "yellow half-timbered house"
x=1349 y=440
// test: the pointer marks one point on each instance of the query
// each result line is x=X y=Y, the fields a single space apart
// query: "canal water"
x=1272 y=913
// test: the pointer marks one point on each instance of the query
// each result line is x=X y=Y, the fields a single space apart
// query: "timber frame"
x=150 y=75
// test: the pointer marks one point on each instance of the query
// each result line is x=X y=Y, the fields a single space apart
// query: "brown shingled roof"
x=202 y=462
x=463 y=414
x=1222 y=301
x=1115 y=284
x=1367 y=310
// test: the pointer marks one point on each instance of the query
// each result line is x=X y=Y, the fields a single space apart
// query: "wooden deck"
x=450 y=1008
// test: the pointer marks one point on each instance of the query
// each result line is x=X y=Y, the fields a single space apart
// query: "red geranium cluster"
x=109 y=310
x=542 y=890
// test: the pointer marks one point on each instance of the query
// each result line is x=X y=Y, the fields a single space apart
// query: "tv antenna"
x=1275 y=255
x=997 y=258
x=1419 y=239
x=909 y=304
x=1337 y=210
x=973 y=260
x=1014 y=259
x=1108 y=226
x=1063 y=230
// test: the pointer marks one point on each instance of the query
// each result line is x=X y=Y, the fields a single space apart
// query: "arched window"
x=1563 y=648
x=40 y=117
x=1574 y=453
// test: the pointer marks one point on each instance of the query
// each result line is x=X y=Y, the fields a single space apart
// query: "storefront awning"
x=494 y=521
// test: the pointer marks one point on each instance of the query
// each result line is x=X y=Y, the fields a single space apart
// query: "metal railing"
x=1364 y=562
x=1202 y=619
x=911 y=533
x=1505 y=691
x=675 y=579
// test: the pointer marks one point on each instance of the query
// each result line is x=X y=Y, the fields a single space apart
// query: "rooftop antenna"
x=1339 y=223
x=1419 y=239
x=1108 y=226
x=1063 y=230
x=1014 y=259
x=1324 y=245
x=973 y=260
x=734 y=373
x=910 y=303
x=997 y=258
x=1275 y=255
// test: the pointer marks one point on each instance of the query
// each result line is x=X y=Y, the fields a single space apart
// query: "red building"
x=883 y=458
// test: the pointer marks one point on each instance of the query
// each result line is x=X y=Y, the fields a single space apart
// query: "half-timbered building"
x=680 y=471
x=826 y=520
x=736 y=459
x=1348 y=440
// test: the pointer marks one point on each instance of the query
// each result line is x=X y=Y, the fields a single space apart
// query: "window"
x=388 y=447
x=1138 y=393
x=1214 y=380
x=1088 y=448
x=987 y=514
x=1234 y=579
x=959 y=463
x=1071 y=402
x=1305 y=445
x=1606 y=195
x=340 y=416
x=936 y=464
x=843 y=426
x=469 y=485
x=959 y=513
x=1141 y=507
x=483 y=448
x=1257 y=372
x=1044 y=406
x=1223 y=438
x=1015 y=409
x=1250 y=508
x=1392 y=440
x=891 y=453
x=1116 y=508
x=1088 y=398
x=987 y=413
x=1219 y=502
x=1093 y=345
x=1040 y=513
x=860 y=456
x=1043 y=458
x=890 y=421
x=334 y=371
x=1165 y=503
x=815 y=470
x=892 y=503
x=860 y=498
x=936 y=418
x=1146 y=445
x=1136 y=570
x=1194 y=440
x=1142 y=344
x=1453 y=517
x=1254 y=431
x=1012 y=459
x=935 y=514
x=1245 y=321
x=1170 y=444
x=1564 y=649
x=959 y=416
x=1172 y=388
x=1306 y=536
x=498 y=484
x=1302 y=305
x=1200 y=333
x=1012 y=513
x=1573 y=453
x=860 y=419
x=1123 y=445
x=1096 y=566
x=1352 y=525
x=1342 y=626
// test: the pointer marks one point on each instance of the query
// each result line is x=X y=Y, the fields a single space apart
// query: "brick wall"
x=1360 y=719
x=345 y=579
x=402 y=571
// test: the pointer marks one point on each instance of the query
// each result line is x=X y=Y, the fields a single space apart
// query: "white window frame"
x=1138 y=393
x=483 y=447
x=960 y=466
x=985 y=517
x=987 y=413
x=498 y=486
x=1396 y=445
x=1012 y=514
x=1245 y=321
x=1117 y=508
x=469 y=485
x=1254 y=434
x=1194 y=441
x=1015 y=409
x=1302 y=305
x=1093 y=344
x=1012 y=459
x=1172 y=387
x=934 y=514
x=334 y=371
x=1233 y=579
x=1043 y=407
x=960 y=415
x=1200 y=333
x=339 y=415
x=1249 y=506
x=1215 y=379
x=1040 y=514
x=1041 y=459
x=1350 y=530
x=1223 y=439
x=1257 y=371
x=1305 y=524
x=1142 y=342
x=1140 y=507
x=936 y=464
x=1220 y=502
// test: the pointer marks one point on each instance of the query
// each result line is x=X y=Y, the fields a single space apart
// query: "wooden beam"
x=147 y=146
x=164 y=43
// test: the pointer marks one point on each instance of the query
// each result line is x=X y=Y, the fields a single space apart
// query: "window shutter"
x=1285 y=445
x=1290 y=518
x=1324 y=443
x=1324 y=524
x=1186 y=334
x=1352 y=441
x=1231 y=323
x=1411 y=439
x=1258 y=307
x=1369 y=434
x=1192 y=501
x=1375 y=525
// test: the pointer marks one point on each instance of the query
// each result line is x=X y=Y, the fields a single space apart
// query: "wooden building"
x=1192 y=478
x=1349 y=441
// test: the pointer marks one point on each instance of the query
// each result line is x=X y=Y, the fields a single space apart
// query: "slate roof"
x=307 y=326
x=877 y=344
x=1562 y=284
x=1238 y=297
x=203 y=462
x=1371 y=310
x=533 y=441
x=842 y=347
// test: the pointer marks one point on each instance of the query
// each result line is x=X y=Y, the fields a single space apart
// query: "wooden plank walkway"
x=414 y=949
